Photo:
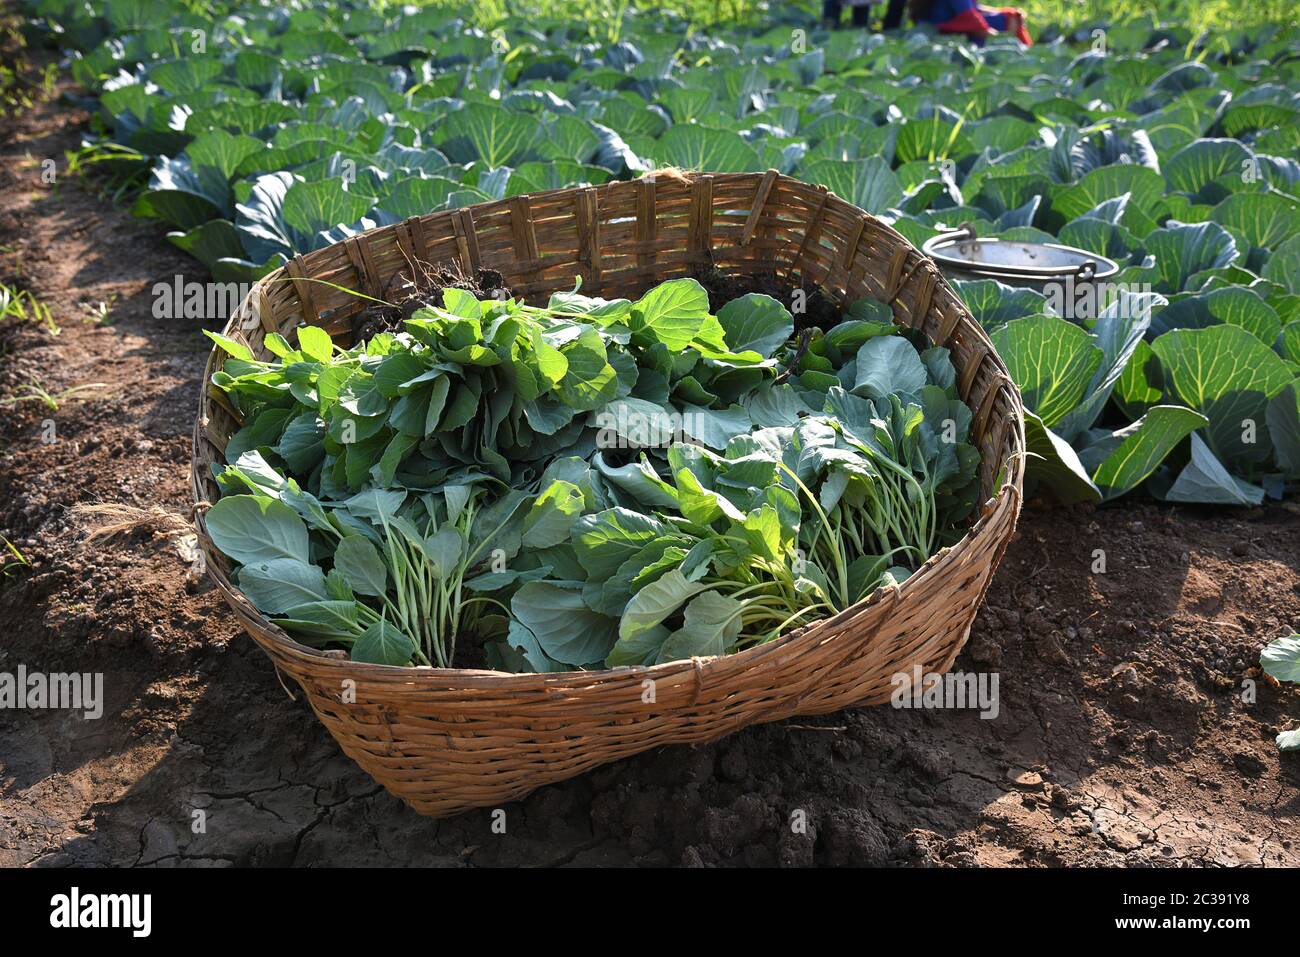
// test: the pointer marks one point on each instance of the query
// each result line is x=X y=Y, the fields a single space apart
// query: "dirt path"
x=1122 y=737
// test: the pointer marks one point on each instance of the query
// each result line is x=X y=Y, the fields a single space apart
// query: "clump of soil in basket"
x=405 y=295
x=819 y=309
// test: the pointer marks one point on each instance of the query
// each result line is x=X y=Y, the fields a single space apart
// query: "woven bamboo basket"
x=446 y=740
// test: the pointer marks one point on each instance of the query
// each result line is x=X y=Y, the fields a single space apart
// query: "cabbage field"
x=458 y=502
x=270 y=132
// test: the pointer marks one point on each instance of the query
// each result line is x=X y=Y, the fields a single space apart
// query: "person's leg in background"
x=831 y=10
x=862 y=15
x=894 y=15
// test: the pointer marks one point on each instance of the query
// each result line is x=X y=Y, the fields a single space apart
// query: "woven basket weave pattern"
x=447 y=740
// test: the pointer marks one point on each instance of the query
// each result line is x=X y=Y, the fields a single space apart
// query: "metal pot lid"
x=997 y=258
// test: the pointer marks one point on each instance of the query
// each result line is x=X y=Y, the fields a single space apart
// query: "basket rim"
x=271 y=636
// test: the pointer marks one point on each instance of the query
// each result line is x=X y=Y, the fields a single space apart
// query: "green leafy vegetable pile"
x=594 y=482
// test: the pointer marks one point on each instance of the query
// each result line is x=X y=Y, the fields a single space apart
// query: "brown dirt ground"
x=1123 y=737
